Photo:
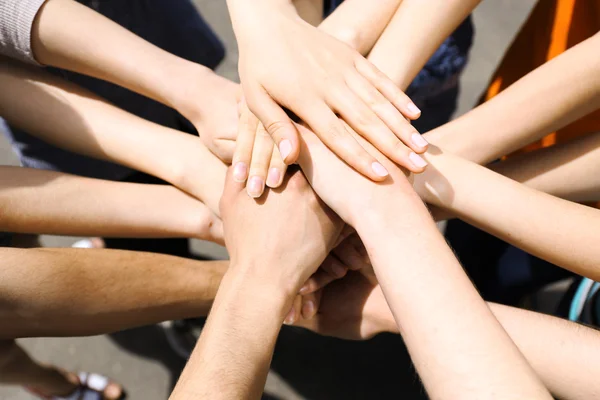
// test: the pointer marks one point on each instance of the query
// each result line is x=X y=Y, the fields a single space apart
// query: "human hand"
x=350 y=254
x=256 y=157
x=352 y=196
x=285 y=62
x=209 y=102
x=351 y=308
x=281 y=238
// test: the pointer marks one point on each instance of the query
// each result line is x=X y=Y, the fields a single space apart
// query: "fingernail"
x=285 y=148
x=412 y=107
x=304 y=289
x=417 y=160
x=379 y=169
x=255 y=186
x=289 y=320
x=338 y=270
x=308 y=310
x=419 y=140
x=240 y=172
x=273 y=177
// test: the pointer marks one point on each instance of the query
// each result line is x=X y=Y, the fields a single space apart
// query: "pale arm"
x=566 y=170
x=514 y=212
x=360 y=24
x=457 y=354
x=71 y=36
x=552 y=96
x=77 y=120
x=565 y=356
x=46 y=202
x=418 y=28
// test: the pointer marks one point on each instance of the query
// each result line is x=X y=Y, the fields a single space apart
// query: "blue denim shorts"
x=175 y=26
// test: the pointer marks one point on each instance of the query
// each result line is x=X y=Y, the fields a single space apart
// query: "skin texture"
x=500 y=206
x=61 y=293
x=355 y=308
x=71 y=36
x=364 y=98
x=47 y=202
x=421 y=27
x=474 y=356
x=232 y=357
x=74 y=119
x=568 y=84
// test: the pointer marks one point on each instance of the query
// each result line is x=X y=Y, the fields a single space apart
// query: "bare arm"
x=566 y=170
x=35 y=201
x=76 y=120
x=360 y=24
x=552 y=96
x=268 y=267
x=71 y=36
x=418 y=28
x=565 y=356
x=457 y=354
x=56 y=292
x=514 y=212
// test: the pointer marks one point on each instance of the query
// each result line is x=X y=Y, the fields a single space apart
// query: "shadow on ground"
x=315 y=367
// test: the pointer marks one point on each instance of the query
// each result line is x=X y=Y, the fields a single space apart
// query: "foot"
x=68 y=385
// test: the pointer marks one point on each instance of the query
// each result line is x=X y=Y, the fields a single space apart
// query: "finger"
x=349 y=256
x=309 y=305
x=371 y=149
x=277 y=124
x=295 y=312
x=367 y=124
x=334 y=134
x=347 y=230
x=277 y=169
x=244 y=144
x=388 y=88
x=331 y=270
x=386 y=112
x=259 y=165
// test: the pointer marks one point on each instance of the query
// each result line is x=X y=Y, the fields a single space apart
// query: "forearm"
x=232 y=357
x=564 y=170
x=76 y=120
x=457 y=354
x=45 y=202
x=56 y=292
x=359 y=24
x=418 y=28
x=71 y=36
x=564 y=357
x=554 y=95
x=514 y=212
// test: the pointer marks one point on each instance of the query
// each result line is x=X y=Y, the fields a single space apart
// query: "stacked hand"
x=281 y=239
x=288 y=63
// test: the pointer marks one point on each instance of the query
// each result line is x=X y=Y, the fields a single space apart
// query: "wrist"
x=274 y=278
x=182 y=79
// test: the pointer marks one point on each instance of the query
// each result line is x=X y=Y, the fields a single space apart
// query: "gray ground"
x=305 y=366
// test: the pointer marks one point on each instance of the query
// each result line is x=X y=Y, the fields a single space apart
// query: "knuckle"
x=276 y=128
